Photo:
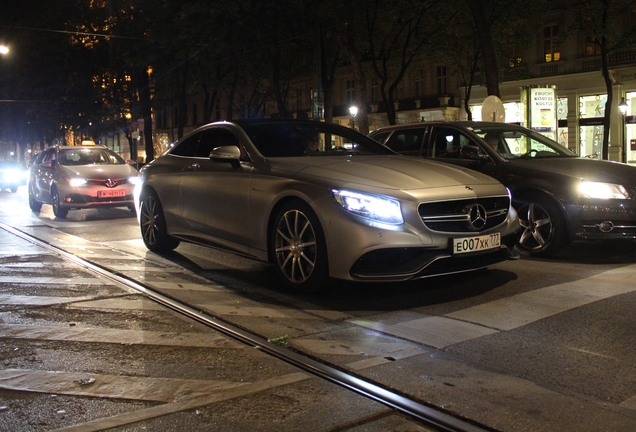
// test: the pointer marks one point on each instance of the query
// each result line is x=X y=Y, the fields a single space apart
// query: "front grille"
x=454 y=216
x=113 y=183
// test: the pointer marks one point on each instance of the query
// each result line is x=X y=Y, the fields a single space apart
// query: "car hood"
x=392 y=172
x=100 y=172
x=580 y=168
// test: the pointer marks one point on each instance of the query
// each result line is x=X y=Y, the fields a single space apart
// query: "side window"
x=49 y=156
x=213 y=138
x=38 y=159
x=447 y=143
x=187 y=147
x=407 y=142
x=381 y=137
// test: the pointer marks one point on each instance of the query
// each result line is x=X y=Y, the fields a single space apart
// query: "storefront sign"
x=542 y=109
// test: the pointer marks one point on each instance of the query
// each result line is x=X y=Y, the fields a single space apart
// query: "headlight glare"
x=377 y=208
x=602 y=190
x=76 y=182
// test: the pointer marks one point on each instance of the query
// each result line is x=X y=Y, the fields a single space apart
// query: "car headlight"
x=76 y=182
x=11 y=174
x=602 y=190
x=374 y=207
x=133 y=180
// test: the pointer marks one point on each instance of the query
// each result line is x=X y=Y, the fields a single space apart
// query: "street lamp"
x=353 y=110
x=623 y=107
x=4 y=49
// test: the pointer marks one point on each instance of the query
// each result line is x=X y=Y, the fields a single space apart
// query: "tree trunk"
x=484 y=36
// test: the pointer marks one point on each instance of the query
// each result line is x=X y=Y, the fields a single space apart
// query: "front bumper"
x=401 y=264
x=76 y=199
x=375 y=253
x=609 y=220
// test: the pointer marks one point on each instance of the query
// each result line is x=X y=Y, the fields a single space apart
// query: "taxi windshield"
x=89 y=157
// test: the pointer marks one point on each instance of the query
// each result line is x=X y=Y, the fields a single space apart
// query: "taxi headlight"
x=376 y=208
x=76 y=182
x=602 y=190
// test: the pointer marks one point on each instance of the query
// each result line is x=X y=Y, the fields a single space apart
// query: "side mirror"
x=229 y=153
x=472 y=152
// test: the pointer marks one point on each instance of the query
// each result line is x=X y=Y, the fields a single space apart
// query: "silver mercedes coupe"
x=320 y=201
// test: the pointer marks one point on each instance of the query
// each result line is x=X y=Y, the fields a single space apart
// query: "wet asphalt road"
x=526 y=345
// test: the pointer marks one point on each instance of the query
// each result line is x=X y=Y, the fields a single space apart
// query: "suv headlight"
x=376 y=208
x=602 y=190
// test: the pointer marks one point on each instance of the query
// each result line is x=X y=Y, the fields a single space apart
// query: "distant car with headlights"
x=79 y=177
x=11 y=175
x=559 y=197
x=318 y=200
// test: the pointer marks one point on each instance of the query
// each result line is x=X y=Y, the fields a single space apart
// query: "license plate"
x=476 y=244
x=112 y=193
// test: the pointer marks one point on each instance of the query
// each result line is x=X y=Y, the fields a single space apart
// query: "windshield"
x=313 y=138
x=83 y=156
x=513 y=143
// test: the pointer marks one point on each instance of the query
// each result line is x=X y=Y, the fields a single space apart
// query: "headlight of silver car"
x=602 y=190
x=376 y=208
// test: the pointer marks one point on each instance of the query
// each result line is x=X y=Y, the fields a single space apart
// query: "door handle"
x=193 y=167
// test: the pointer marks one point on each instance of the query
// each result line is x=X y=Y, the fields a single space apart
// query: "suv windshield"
x=513 y=143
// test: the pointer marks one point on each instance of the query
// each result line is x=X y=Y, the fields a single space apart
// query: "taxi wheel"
x=298 y=247
x=152 y=222
x=33 y=203
x=58 y=211
x=544 y=231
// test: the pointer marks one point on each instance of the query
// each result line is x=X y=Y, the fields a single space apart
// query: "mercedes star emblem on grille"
x=478 y=216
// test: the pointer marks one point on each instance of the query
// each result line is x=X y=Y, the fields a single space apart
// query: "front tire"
x=544 y=231
x=152 y=223
x=58 y=211
x=33 y=203
x=298 y=247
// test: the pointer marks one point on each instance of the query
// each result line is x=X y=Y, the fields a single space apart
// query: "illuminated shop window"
x=551 y=43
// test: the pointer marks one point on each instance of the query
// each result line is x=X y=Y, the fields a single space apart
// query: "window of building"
x=591 y=48
x=350 y=86
x=441 y=80
x=299 y=99
x=418 y=82
x=551 y=43
x=374 y=90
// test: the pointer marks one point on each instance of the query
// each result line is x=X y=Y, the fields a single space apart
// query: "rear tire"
x=152 y=223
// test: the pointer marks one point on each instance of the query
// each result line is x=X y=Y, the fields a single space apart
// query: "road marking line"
x=394 y=350
x=186 y=404
x=437 y=332
x=17 y=300
x=125 y=303
x=124 y=337
x=257 y=312
x=511 y=312
x=525 y=308
x=629 y=403
x=109 y=386
x=28 y=280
